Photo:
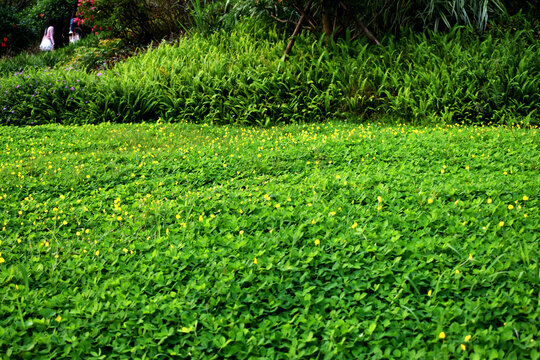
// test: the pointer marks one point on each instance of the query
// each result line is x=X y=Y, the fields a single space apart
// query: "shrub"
x=239 y=77
x=132 y=20
x=95 y=54
x=15 y=33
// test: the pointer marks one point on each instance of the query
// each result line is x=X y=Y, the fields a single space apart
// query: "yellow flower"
x=467 y=167
x=58 y=318
x=430 y=201
x=489 y=201
x=457 y=271
x=354 y=225
x=278 y=206
x=442 y=171
x=379 y=199
x=468 y=337
x=525 y=215
x=255 y=261
x=241 y=232
x=317 y=242
x=178 y=216
x=2 y=260
x=125 y=250
x=442 y=335
x=332 y=213
x=463 y=347
x=97 y=252
x=501 y=223
x=429 y=293
x=470 y=256
x=525 y=198
x=510 y=207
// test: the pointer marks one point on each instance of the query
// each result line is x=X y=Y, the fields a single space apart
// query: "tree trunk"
x=327 y=26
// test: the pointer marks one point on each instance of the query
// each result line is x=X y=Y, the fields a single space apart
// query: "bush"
x=239 y=77
x=133 y=20
x=15 y=33
x=22 y=26
x=94 y=54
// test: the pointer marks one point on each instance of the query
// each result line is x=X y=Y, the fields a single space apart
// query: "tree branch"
x=281 y=20
x=297 y=30
x=362 y=26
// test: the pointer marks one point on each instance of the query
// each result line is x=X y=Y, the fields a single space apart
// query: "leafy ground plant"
x=320 y=241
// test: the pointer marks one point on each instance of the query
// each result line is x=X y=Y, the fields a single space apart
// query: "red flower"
x=3 y=44
x=41 y=15
x=5 y=39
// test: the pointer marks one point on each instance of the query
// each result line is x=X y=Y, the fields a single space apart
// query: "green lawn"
x=324 y=241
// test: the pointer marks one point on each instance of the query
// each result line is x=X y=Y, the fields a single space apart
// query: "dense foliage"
x=238 y=77
x=335 y=18
x=134 y=20
x=183 y=241
x=179 y=240
x=14 y=34
x=23 y=23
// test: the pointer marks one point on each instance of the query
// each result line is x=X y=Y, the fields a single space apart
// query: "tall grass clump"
x=450 y=77
x=240 y=77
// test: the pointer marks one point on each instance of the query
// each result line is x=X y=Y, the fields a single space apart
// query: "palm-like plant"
x=333 y=17
x=466 y=12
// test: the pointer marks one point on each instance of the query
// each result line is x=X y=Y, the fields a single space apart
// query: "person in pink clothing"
x=47 y=43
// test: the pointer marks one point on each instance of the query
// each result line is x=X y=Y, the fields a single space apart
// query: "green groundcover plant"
x=323 y=241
